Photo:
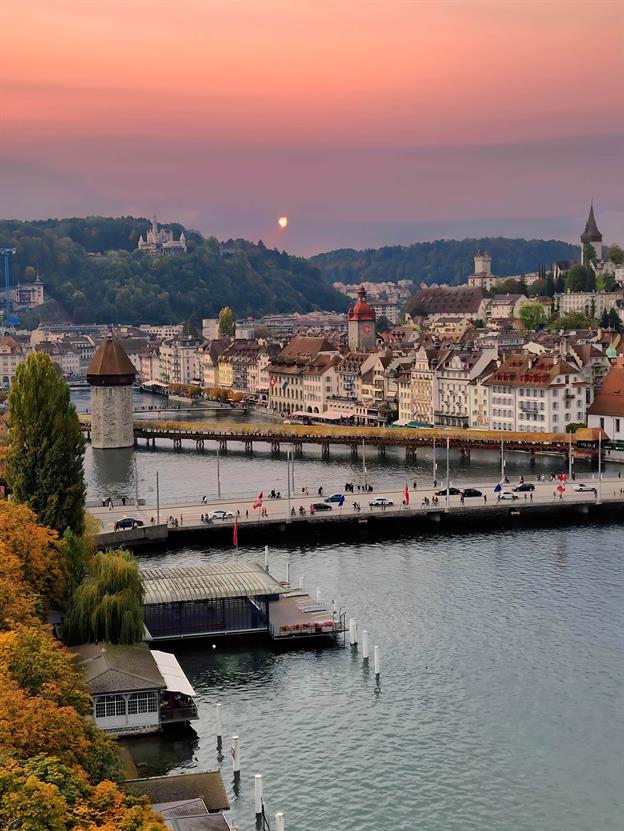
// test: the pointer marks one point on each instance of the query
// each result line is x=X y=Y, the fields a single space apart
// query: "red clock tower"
x=361 y=326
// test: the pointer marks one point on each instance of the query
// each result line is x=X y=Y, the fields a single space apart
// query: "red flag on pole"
x=258 y=502
x=235 y=532
x=406 y=494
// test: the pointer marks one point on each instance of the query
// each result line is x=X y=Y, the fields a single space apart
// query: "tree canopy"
x=227 y=324
x=94 y=270
x=532 y=315
x=46 y=446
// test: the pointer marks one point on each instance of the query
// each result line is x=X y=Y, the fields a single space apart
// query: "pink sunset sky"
x=367 y=123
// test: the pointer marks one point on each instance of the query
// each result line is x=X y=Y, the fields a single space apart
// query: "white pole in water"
x=365 y=645
x=288 y=469
x=219 y=726
x=301 y=581
x=318 y=595
x=376 y=659
x=288 y=569
x=266 y=557
x=352 y=631
x=136 y=484
x=235 y=757
x=258 y=795
x=279 y=821
x=333 y=607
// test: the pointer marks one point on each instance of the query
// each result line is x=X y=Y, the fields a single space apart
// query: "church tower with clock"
x=361 y=325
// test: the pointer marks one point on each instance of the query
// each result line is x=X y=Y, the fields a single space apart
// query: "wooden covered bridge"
x=583 y=444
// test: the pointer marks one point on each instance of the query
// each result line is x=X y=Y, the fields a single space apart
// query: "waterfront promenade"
x=544 y=502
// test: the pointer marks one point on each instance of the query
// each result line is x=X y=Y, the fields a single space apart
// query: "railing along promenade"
x=409 y=438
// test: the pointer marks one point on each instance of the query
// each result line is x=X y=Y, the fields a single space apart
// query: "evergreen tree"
x=108 y=604
x=46 y=446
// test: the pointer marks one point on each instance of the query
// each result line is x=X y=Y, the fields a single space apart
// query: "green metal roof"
x=207 y=582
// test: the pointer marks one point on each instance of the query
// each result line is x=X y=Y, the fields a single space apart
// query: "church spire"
x=591 y=233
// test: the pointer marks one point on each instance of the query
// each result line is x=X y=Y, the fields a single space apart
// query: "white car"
x=584 y=489
x=220 y=514
x=380 y=502
x=508 y=495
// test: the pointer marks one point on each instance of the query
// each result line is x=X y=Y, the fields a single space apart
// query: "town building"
x=434 y=302
x=11 y=356
x=160 y=241
x=29 y=295
x=591 y=303
x=110 y=376
x=536 y=394
x=135 y=690
x=177 y=356
x=288 y=368
x=455 y=369
x=607 y=408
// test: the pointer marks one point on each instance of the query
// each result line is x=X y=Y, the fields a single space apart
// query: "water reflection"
x=158 y=753
x=112 y=473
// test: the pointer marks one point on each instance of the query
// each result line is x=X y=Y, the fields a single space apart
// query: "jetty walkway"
x=544 y=504
x=583 y=444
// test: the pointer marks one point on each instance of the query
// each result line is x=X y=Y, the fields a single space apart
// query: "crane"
x=6 y=254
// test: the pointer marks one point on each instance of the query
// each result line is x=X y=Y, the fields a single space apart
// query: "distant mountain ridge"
x=92 y=268
x=441 y=261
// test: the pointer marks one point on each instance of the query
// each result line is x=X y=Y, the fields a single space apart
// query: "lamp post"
x=218 y=474
x=448 y=471
x=157 y=500
x=502 y=457
x=433 y=472
x=364 y=464
x=600 y=466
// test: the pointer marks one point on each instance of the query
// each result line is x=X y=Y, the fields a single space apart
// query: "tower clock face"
x=367 y=329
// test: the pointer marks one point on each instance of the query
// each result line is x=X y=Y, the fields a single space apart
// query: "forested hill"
x=442 y=261
x=93 y=269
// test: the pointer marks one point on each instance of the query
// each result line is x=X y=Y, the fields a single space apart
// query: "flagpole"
x=448 y=472
x=218 y=475
x=288 y=464
x=433 y=475
x=502 y=458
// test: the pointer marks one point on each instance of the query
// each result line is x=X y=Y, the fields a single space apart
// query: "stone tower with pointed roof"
x=591 y=236
x=110 y=376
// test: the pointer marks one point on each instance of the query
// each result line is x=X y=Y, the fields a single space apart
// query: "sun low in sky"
x=377 y=121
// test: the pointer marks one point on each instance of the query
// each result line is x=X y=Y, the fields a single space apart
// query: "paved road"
x=190 y=514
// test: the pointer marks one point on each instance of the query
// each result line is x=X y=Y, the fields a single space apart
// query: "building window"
x=142 y=702
x=108 y=706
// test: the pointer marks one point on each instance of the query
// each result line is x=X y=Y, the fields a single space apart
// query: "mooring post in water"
x=279 y=821
x=318 y=595
x=353 y=631
x=301 y=581
x=219 y=727
x=365 y=646
x=258 y=798
x=376 y=654
x=288 y=570
x=235 y=758
x=266 y=557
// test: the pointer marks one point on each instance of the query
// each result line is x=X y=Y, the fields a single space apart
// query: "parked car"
x=508 y=495
x=380 y=502
x=220 y=514
x=128 y=522
x=525 y=486
x=471 y=492
x=319 y=506
x=335 y=497
x=585 y=489
x=452 y=492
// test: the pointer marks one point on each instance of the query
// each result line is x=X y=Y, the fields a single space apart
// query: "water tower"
x=110 y=376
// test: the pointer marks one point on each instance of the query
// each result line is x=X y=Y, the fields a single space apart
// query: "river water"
x=502 y=656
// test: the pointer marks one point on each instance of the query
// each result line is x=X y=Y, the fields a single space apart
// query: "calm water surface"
x=500 y=703
x=501 y=696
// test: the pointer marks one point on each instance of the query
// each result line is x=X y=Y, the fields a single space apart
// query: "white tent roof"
x=173 y=673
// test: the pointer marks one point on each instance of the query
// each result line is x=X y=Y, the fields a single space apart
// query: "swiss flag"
x=235 y=532
x=561 y=487
x=406 y=494
x=258 y=502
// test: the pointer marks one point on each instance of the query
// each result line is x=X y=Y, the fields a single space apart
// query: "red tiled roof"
x=610 y=398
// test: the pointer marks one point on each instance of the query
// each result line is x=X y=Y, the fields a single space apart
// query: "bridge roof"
x=207 y=582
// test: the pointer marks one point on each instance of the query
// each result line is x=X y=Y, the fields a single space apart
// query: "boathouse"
x=230 y=598
x=186 y=801
x=135 y=690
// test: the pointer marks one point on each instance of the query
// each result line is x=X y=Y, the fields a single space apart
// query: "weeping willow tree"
x=108 y=603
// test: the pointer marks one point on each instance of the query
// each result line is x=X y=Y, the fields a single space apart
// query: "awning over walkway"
x=207 y=582
x=172 y=672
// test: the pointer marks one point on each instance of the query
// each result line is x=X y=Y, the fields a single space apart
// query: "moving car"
x=335 y=497
x=585 y=489
x=319 y=506
x=452 y=492
x=220 y=514
x=525 y=486
x=508 y=495
x=128 y=522
x=380 y=502
x=471 y=492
